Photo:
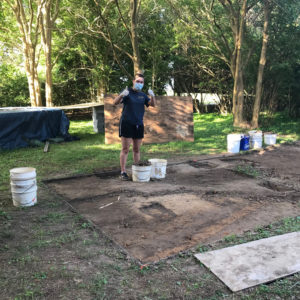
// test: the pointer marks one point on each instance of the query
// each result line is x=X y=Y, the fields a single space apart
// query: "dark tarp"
x=20 y=125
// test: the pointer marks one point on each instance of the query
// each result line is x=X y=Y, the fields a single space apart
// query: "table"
x=18 y=125
x=98 y=113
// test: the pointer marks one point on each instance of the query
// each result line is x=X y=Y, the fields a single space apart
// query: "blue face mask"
x=138 y=86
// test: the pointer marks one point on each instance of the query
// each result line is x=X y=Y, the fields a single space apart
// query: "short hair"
x=139 y=75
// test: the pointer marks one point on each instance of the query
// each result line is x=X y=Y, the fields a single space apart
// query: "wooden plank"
x=46 y=148
x=246 y=265
x=80 y=106
x=170 y=120
x=75 y=106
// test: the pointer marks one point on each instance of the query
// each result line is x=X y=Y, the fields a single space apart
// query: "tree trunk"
x=238 y=115
x=238 y=88
x=153 y=74
x=232 y=68
x=196 y=106
x=46 y=26
x=32 y=75
x=262 y=63
x=100 y=95
x=101 y=90
x=30 y=78
x=46 y=29
x=29 y=35
x=134 y=36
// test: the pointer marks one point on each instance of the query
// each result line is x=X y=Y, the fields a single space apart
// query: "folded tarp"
x=20 y=125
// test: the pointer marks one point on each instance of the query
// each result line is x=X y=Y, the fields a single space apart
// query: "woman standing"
x=131 y=127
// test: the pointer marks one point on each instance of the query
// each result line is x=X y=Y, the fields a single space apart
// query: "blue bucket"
x=245 y=145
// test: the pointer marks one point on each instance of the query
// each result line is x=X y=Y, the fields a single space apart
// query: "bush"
x=13 y=87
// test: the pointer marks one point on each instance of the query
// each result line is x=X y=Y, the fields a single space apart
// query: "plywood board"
x=170 y=120
x=246 y=265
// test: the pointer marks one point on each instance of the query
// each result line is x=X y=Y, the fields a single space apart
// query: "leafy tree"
x=35 y=22
x=281 y=81
x=217 y=30
x=156 y=42
x=13 y=87
x=231 y=31
x=262 y=62
x=49 y=13
x=27 y=15
x=100 y=41
x=196 y=46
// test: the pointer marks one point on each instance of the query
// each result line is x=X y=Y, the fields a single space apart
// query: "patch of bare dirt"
x=199 y=201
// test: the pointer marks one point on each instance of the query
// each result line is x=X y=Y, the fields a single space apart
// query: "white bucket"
x=252 y=132
x=23 y=186
x=22 y=173
x=270 y=138
x=159 y=166
x=141 y=173
x=233 y=142
x=255 y=139
x=25 y=199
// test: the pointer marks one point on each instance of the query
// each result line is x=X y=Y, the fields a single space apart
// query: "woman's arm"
x=152 y=101
x=119 y=98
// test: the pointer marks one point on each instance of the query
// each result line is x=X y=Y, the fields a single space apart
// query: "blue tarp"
x=20 y=125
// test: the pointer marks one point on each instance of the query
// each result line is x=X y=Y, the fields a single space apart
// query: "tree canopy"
x=56 y=52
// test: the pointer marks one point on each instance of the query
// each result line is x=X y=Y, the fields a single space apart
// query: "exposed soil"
x=199 y=201
x=48 y=251
x=143 y=163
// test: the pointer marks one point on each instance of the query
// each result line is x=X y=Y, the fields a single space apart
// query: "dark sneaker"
x=124 y=176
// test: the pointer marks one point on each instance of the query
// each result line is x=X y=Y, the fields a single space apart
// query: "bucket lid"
x=158 y=160
x=22 y=170
x=255 y=132
x=234 y=136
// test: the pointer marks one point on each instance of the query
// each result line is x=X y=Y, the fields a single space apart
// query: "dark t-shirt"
x=134 y=107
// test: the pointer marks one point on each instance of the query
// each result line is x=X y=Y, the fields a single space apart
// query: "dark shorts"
x=128 y=130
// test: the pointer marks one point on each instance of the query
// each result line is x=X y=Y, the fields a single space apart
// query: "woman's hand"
x=125 y=92
x=119 y=98
x=150 y=92
x=152 y=101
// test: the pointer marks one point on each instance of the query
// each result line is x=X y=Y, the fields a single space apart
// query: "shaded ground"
x=200 y=201
x=50 y=252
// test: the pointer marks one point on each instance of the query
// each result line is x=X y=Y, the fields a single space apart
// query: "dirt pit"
x=200 y=201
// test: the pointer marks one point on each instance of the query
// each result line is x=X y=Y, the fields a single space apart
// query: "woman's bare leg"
x=136 y=149
x=126 y=142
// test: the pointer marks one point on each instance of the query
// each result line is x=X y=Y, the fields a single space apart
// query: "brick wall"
x=170 y=120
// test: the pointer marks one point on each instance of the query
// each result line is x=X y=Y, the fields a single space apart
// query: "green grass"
x=247 y=170
x=287 y=128
x=210 y=131
x=63 y=255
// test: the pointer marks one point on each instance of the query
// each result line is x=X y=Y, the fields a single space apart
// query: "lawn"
x=49 y=252
x=91 y=153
